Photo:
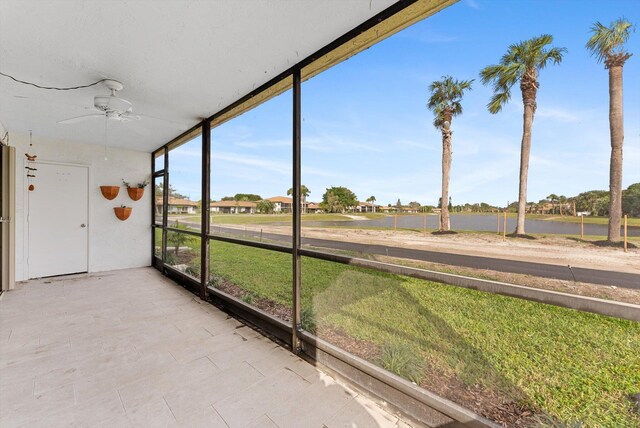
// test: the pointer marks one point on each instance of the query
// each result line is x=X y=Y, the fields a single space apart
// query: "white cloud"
x=422 y=146
x=540 y=160
x=558 y=114
x=279 y=167
x=473 y=4
x=186 y=153
x=483 y=174
x=263 y=144
x=332 y=143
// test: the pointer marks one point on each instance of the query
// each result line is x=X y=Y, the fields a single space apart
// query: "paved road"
x=593 y=276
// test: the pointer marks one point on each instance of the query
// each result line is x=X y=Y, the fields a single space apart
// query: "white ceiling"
x=179 y=60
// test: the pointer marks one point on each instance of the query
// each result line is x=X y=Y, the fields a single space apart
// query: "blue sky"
x=366 y=127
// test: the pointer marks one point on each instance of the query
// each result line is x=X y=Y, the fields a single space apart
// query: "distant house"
x=548 y=208
x=281 y=204
x=365 y=207
x=233 y=207
x=312 y=207
x=179 y=206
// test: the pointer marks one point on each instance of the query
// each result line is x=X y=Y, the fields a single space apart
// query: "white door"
x=57 y=220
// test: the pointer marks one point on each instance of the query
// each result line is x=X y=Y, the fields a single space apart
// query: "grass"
x=593 y=239
x=567 y=364
x=287 y=218
x=404 y=360
x=308 y=320
x=631 y=221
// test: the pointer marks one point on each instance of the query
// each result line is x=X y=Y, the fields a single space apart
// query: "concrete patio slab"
x=131 y=348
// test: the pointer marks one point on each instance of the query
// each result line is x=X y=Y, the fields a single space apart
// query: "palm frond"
x=538 y=43
x=510 y=74
x=606 y=41
x=456 y=108
x=520 y=59
x=445 y=98
x=497 y=101
x=490 y=73
x=554 y=55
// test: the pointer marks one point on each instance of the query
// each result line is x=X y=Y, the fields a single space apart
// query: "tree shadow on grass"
x=381 y=310
x=444 y=232
x=602 y=243
x=521 y=236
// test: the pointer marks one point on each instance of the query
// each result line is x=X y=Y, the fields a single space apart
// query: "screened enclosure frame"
x=392 y=388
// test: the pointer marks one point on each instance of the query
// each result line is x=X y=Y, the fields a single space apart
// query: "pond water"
x=476 y=222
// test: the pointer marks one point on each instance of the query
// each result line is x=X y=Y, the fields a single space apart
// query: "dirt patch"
x=549 y=249
x=499 y=408
x=612 y=244
x=276 y=309
x=360 y=348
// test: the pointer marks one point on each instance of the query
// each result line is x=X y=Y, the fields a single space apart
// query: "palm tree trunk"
x=525 y=150
x=617 y=139
x=445 y=223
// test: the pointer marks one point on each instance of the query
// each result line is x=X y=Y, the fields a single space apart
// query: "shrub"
x=308 y=319
x=215 y=280
x=547 y=421
x=171 y=259
x=402 y=359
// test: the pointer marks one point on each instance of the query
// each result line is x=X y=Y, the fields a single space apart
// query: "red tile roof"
x=241 y=204
x=281 y=199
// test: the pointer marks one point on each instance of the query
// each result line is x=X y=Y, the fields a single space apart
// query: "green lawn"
x=568 y=364
x=287 y=218
x=631 y=221
x=274 y=218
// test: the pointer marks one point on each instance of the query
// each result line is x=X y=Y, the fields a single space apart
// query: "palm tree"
x=521 y=63
x=553 y=198
x=607 y=44
x=371 y=200
x=562 y=201
x=304 y=192
x=444 y=102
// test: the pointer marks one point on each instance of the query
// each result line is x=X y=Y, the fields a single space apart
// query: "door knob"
x=83 y=225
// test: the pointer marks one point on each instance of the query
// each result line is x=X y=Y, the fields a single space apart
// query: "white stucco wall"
x=113 y=244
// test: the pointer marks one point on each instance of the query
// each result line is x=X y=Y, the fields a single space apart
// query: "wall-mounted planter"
x=122 y=213
x=110 y=192
x=135 y=193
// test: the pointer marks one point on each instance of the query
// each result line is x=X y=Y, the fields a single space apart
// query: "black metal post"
x=295 y=315
x=205 y=208
x=153 y=208
x=165 y=205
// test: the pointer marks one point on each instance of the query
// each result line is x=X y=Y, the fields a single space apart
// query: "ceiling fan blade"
x=127 y=117
x=79 y=118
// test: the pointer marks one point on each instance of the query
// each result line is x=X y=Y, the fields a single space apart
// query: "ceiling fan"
x=109 y=106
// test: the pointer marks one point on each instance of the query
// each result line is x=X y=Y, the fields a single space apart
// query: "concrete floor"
x=130 y=348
